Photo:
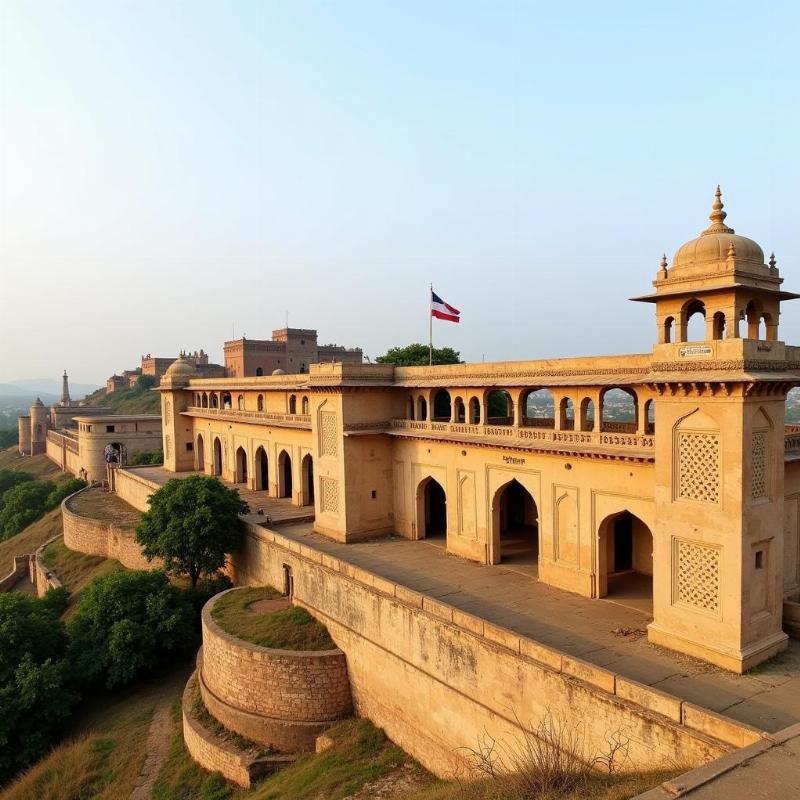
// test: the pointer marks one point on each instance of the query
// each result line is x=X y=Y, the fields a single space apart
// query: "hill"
x=138 y=400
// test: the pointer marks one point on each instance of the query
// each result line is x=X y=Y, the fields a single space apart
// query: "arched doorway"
x=431 y=511
x=261 y=472
x=241 y=465
x=307 y=472
x=284 y=474
x=626 y=561
x=216 y=466
x=515 y=521
x=201 y=454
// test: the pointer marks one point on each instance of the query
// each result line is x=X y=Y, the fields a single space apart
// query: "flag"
x=442 y=310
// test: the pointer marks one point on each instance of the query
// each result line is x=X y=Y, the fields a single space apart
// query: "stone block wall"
x=437 y=679
x=134 y=489
x=280 y=698
x=19 y=566
x=102 y=538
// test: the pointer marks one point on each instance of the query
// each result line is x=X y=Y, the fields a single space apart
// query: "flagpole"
x=430 y=323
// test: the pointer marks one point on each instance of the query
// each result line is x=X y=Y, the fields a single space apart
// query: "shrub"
x=10 y=478
x=34 y=678
x=142 y=459
x=62 y=490
x=126 y=623
x=22 y=504
x=192 y=523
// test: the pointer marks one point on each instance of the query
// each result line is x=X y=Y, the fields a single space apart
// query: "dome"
x=278 y=371
x=38 y=403
x=714 y=243
x=180 y=368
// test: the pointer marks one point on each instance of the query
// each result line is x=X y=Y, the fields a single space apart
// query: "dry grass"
x=76 y=570
x=38 y=467
x=29 y=539
x=291 y=628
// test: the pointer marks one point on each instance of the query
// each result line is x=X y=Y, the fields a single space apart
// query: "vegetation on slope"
x=38 y=467
x=140 y=399
x=28 y=540
x=291 y=628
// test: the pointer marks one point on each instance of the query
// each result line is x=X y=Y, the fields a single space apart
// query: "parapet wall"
x=97 y=537
x=134 y=489
x=437 y=679
x=279 y=698
x=40 y=575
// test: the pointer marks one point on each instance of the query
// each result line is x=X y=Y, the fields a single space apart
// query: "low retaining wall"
x=39 y=573
x=437 y=679
x=19 y=566
x=278 y=698
x=98 y=537
x=135 y=489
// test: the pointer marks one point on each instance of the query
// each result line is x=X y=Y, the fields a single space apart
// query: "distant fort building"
x=155 y=367
x=291 y=350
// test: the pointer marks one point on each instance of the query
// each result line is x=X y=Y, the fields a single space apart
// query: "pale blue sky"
x=171 y=169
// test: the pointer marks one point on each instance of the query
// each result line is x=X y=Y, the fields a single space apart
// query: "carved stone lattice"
x=697 y=576
x=167 y=447
x=758 y=452
x=327 y=436
x=329 y=495
x=698 y=467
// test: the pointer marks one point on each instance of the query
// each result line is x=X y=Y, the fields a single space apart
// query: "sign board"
x=696 y=351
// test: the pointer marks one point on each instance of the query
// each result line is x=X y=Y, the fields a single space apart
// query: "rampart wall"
x=134 y=489
x=436 y=679
x=280 y=698
x=98 y=537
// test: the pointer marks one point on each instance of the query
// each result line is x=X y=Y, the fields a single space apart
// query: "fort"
x=665 y=481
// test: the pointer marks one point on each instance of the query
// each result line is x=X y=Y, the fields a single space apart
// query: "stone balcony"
x=599 y=444
x=274 y=418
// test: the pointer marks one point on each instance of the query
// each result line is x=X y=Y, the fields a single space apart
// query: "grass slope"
x=29 y=539
x=38 y=467
x=127 y=401
x=291 y=628
x=76 y=570
x=106 y=749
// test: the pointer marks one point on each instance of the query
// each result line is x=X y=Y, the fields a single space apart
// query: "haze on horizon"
x=172 y=172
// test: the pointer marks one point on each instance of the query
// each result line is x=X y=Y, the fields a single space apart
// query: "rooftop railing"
x=295 y=420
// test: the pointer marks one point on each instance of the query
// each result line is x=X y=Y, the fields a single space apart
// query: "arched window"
x=718 y=324
x=767 y=330
x=475 y=411
x=499 y=409
x=619 y=410
x=304 y=405
x=260 y=402
x=410 y=408
x=214 y=400
x=669 y=323
x=650 y=417
x=566 y=414
x=240 y=402
x=459 y=411
x=538 y=409
x=693 y=321
x=292 y=404
x=226 y=400
x=204 y=401
x=441 y=406
x=422 y=409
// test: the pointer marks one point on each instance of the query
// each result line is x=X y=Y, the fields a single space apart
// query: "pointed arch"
x=216 y=463
x=200 y=454
x=515 y=524
x=284 y=474
x=261 y=470
x=625 y=564
x=431 y=509
x=307 y=479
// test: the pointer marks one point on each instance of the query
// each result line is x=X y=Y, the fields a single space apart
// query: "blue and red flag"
x=442 y=310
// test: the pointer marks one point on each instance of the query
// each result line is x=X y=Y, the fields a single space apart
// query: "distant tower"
x=38 y=427
x=65 y=398
x=24 y=424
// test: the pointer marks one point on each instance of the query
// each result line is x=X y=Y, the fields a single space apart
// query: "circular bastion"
x=281 y=699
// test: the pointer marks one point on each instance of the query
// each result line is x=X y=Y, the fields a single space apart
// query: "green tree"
x=145 y=382
x=154 y=457
x=8 y=437
x=23 y=504
x=417 y=355
x=127 y=622
x=192 y=523
x=35 y=692
x=10 y=478
x=63 y=490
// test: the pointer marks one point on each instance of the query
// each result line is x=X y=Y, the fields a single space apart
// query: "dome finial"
x=664 y=261
x=772 y=261
x=717 y=215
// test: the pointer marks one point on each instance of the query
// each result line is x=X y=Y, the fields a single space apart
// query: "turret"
x=38 y=427
x=24 y=424
x=65 y=398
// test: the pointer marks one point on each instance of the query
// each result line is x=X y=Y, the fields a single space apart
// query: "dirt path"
x=157 y=748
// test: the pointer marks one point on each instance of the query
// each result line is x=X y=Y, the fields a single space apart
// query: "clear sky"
x=172 y=171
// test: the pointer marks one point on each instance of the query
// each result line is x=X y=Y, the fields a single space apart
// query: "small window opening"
x=288 y=581
x=759 y=559
x=374 y=494
x=190 y=446
x=110 y=428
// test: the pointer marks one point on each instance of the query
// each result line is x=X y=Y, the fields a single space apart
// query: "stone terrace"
x=599 y=631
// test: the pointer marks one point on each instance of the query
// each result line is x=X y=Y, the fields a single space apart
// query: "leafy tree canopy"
x=10 y=478
x=127 y=622
x=34 y=678
x=417 y=355
x=192 y=523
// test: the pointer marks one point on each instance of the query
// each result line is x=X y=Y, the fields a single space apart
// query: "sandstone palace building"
x=694 y=498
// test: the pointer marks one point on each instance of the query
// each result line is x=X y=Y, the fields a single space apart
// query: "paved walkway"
x=600 y=631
